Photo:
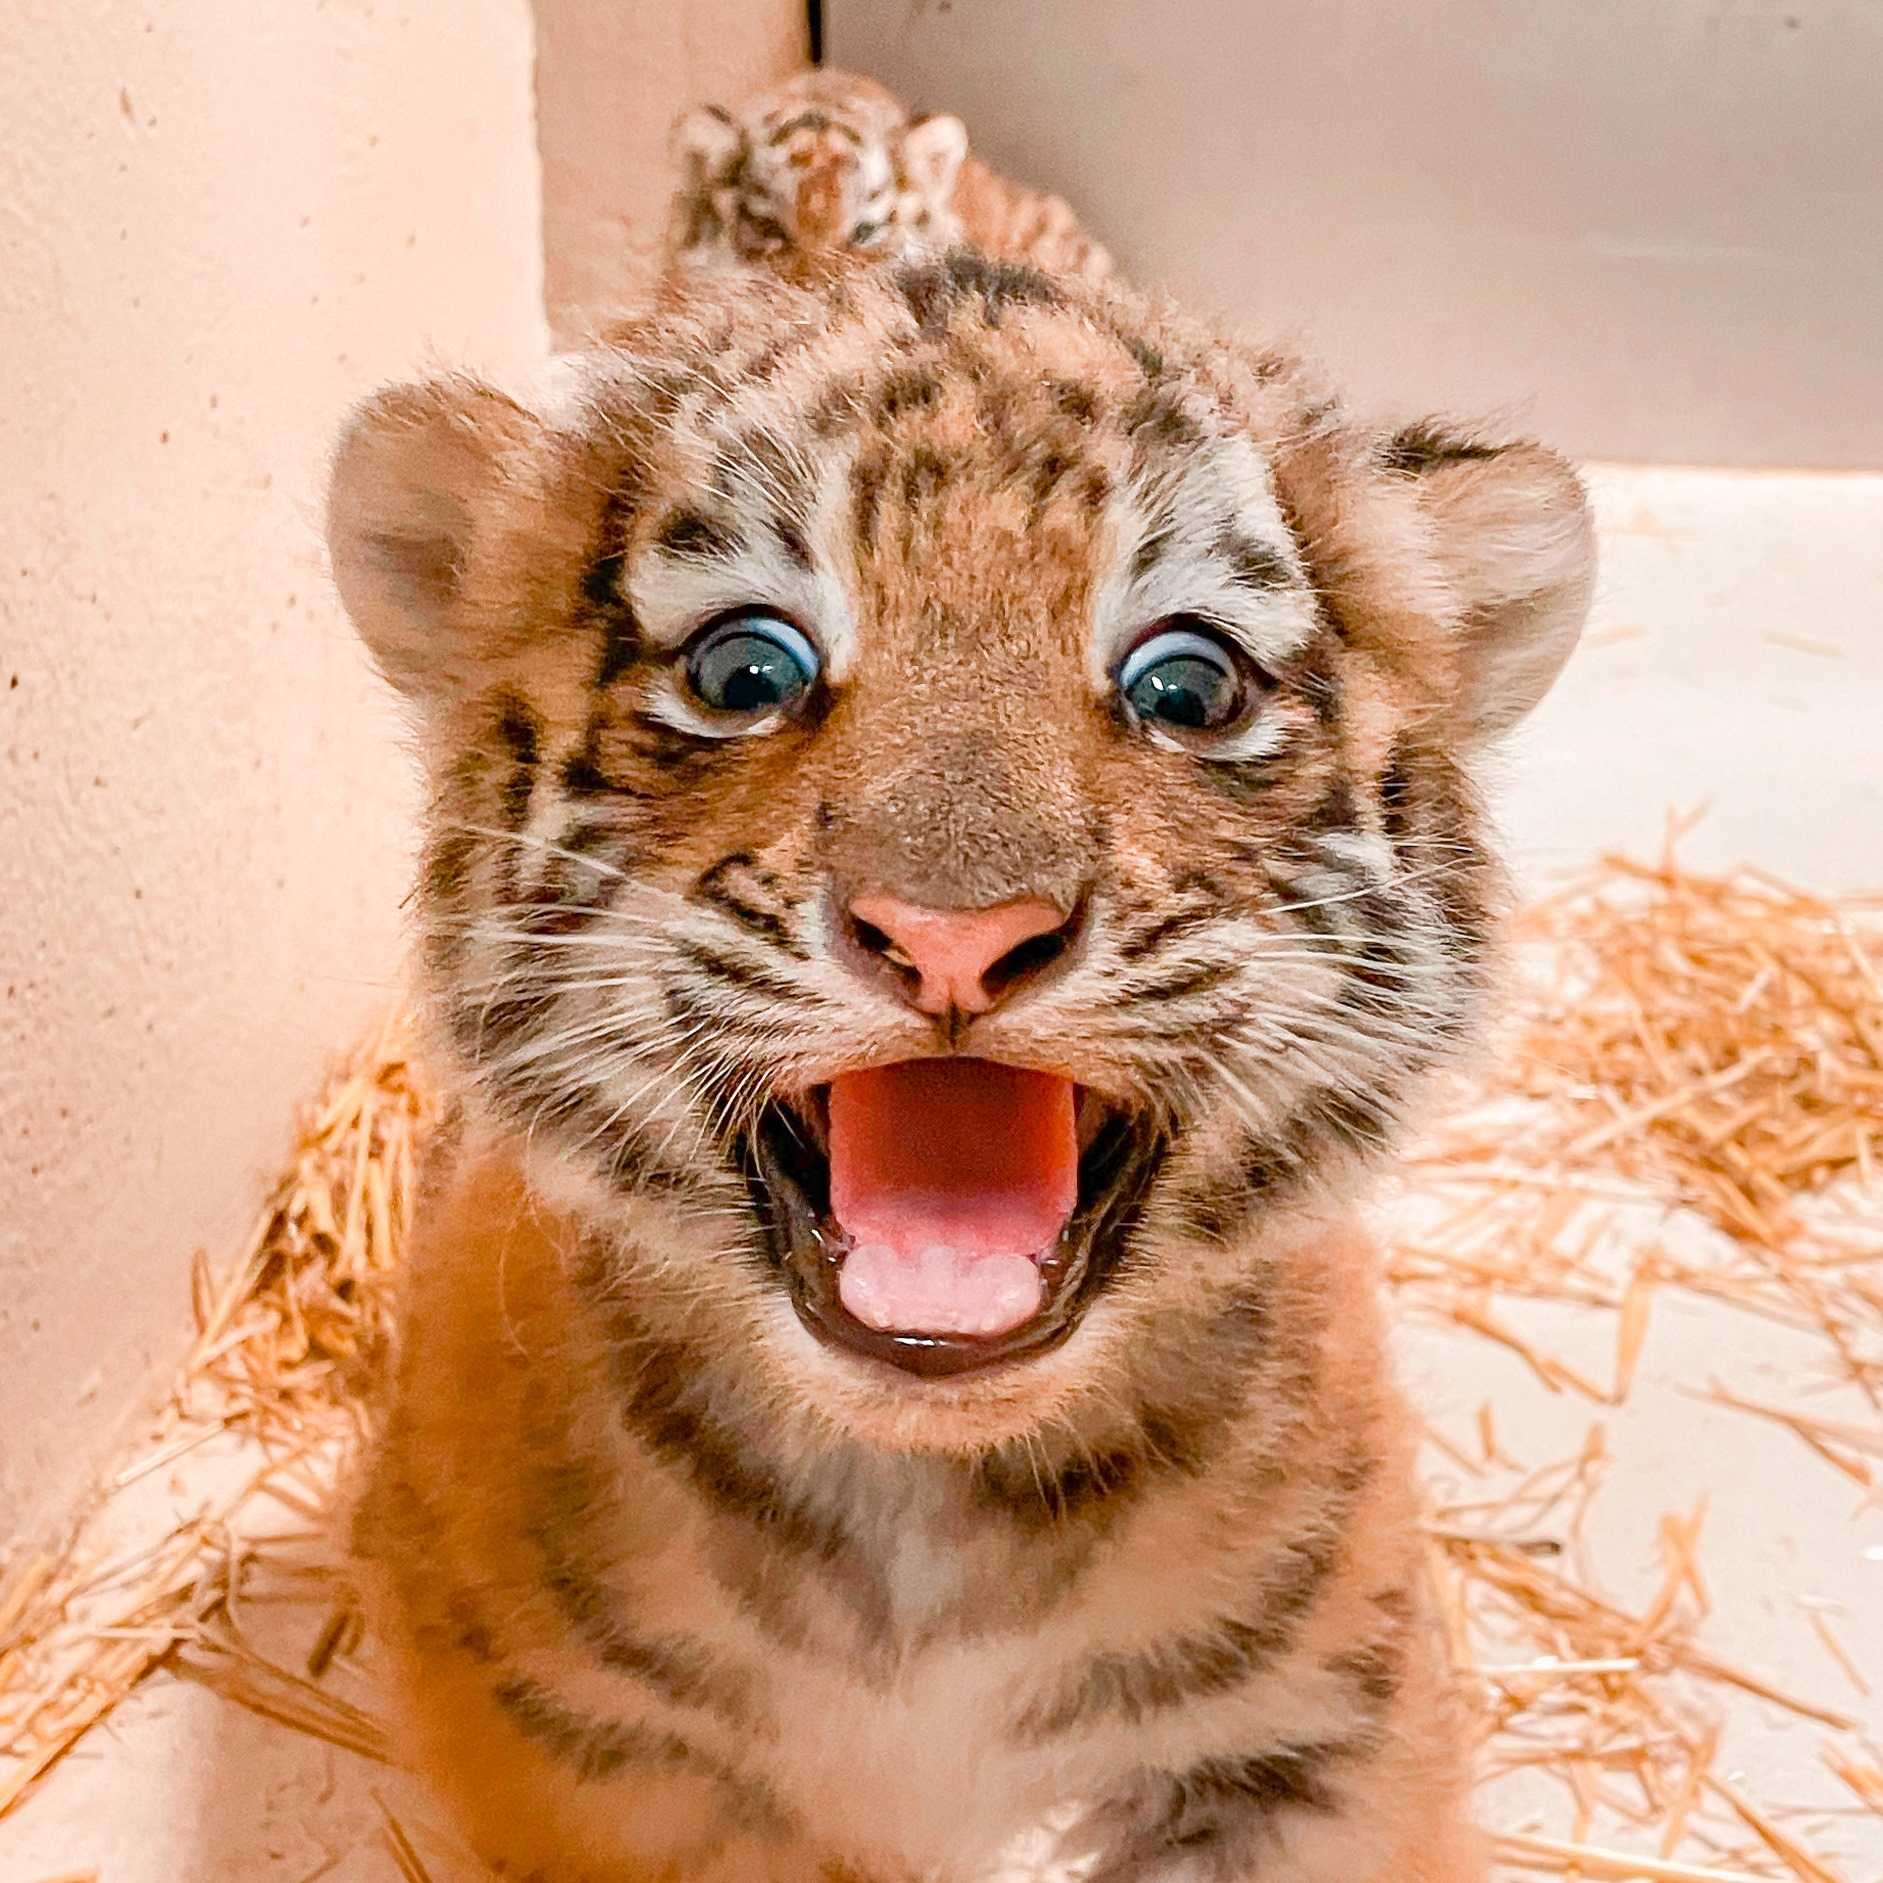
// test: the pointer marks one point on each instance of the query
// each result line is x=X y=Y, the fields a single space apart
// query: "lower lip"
x=925 y=1356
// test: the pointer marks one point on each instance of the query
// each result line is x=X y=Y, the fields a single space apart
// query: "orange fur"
x=678 y=1586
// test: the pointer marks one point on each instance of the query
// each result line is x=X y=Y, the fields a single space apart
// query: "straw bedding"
x=1687 y=1102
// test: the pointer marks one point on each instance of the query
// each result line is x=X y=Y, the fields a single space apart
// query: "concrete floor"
x=1735 y=663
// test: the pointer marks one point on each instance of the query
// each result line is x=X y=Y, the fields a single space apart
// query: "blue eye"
x=1183 y=678
x=749 y=663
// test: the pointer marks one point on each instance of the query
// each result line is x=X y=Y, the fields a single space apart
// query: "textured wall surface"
x=219 y=224
x=610 y=79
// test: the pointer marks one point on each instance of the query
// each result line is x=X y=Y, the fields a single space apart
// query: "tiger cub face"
x=951 y=810
x=825 y=166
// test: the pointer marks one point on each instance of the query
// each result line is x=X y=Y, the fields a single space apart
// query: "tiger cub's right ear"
x=1512 y=534
x=933 y=150
x=416 y=467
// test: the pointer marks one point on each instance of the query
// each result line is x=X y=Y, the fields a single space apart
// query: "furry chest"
x=923 y=1774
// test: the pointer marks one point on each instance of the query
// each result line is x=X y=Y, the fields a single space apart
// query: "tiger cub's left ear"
x=707 y=142
x=1513 y=533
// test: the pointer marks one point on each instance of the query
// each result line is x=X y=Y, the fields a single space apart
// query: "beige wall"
x=1650 y=226
x=219 y=223
x=611 y=78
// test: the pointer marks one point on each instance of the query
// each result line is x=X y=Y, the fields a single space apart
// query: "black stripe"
x=1219 y=1800
x=1073 y=399
x=621 y=647
x=604 y=601
x=673 y=1417
x=693 y=533
x=1197 y=977
x=1085 y=1487
x=1396 y=794
x=1048 y=471
x=1148 y=941
x=866 y=495
x=1335 y=810
x=734 y=1033
x=477 y=1026
x=1160 y=417
x=736 y=973
x=1314 y=673
x=1220 y=1210
x=593 y=1748
x=814 y=120
x=554 y=914
x=649 y=741
x=1419 y=447
x=598 y=1749
x=472 y=1635
x=601 y=580
x=582 y=773
x=1292 y=1157
x=716 y=886
x=664 y=1403
x=792 y=540
x=1149 y=360
x=1161 y=1442
x=924 y=473
x=446 y=870
x=583 y=865
x=630 y=1159
x=1217 y=1818
x=1381 y=956
x=1228 y=1653
x=517 y=727
x=1247 y=781
x=1148 y=553
x=1376 y=1669
x=934 y=289
x=681 y=1670
x=1361 y=1123
x=908 y=389
x=1254 y=565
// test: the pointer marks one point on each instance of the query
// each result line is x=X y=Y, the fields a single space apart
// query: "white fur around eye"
x=670 y=701
x=1262 y=737
x=674 y=595
x=1185 y=511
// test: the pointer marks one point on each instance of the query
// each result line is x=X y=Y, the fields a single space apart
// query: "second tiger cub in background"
x=829 y=165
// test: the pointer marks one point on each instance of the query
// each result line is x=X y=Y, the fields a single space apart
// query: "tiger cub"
x=830 y=165
x=951 y=850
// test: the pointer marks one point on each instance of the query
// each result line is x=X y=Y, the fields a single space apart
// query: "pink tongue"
x=949 y=1176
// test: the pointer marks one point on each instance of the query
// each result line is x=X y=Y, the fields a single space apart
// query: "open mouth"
x=948 y=1214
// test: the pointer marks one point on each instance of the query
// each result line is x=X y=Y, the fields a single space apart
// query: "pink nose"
x=965 y=959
